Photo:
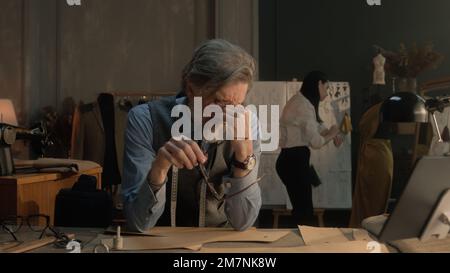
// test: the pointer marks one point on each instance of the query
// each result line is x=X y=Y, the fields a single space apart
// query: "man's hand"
x=242 y=145
x=182 y=153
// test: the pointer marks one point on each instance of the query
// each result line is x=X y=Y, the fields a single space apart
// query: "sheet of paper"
x=414 y=245
x=347 y=247
x=166 y=231
x=194 y=238
x=361 y=235
x=7 y=245
x=317 y=236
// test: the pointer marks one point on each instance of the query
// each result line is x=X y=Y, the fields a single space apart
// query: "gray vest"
x=188 y=207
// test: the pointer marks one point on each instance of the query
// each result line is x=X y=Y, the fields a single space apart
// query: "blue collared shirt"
x=143 y=207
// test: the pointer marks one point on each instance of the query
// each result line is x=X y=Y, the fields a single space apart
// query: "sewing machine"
x=8 y=136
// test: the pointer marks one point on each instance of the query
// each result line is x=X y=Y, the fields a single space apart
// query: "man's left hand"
x=242 y=144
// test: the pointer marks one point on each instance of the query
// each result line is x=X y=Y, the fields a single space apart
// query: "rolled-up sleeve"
x=142 y=207
x=244 y=202
x=311 y=133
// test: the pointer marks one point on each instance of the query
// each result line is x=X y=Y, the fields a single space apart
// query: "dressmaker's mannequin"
x=378 y=73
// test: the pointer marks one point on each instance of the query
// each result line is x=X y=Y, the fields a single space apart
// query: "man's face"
x=230 y=94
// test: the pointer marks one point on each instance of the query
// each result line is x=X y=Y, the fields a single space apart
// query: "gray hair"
x=217 y=63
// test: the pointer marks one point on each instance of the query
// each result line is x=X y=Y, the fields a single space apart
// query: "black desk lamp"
x=409 y=107
x=404 y=107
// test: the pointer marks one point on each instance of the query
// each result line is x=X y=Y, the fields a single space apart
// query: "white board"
x=332 y=164
x=272 y=189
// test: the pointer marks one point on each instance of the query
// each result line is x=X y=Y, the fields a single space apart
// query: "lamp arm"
x=438 y=131
x=437 y=104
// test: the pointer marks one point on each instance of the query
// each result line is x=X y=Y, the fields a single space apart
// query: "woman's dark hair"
x=310 y=89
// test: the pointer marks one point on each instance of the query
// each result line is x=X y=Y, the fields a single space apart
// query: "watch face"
x=251 y=163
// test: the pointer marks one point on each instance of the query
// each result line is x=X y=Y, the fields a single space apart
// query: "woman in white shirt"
x=301 y=129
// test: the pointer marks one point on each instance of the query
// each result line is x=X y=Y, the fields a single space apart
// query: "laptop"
x=429 y=180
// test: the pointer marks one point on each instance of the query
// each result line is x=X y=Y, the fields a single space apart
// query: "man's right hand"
x=182 y=153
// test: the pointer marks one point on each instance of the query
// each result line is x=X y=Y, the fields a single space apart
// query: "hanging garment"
x=369 y=123
x=87 y=133
x=374 y=171
x=115 y=108
x=98 y=131
x=373 y=180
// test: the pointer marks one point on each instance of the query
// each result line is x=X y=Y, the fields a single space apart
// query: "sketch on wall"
x=332 y=164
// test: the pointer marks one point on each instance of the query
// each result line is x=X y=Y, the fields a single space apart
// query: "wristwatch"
x=248 y=164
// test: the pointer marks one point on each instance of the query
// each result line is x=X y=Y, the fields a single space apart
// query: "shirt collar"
x=181 y=100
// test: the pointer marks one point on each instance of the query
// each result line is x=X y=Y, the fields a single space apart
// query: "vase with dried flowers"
x=407 y=63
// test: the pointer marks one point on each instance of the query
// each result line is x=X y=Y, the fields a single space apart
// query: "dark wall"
x=39 y=59
x=297 y=36
x=140 y=46
x=11 y=53
x=50 y=50
x=237 y=22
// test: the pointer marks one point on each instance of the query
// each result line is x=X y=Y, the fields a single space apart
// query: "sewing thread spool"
x=118 y=240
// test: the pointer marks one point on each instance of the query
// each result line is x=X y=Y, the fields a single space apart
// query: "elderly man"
x=163 y=183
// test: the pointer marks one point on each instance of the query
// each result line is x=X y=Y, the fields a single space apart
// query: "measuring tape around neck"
x=173 y=197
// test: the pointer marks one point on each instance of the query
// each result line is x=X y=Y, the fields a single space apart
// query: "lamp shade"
x=404 y=107
x=7 y=113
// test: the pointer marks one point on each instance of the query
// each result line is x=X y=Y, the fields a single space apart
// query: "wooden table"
x=90 y=237
x=27 y=194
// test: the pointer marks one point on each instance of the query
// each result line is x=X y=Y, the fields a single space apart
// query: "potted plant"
x=407 y=63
